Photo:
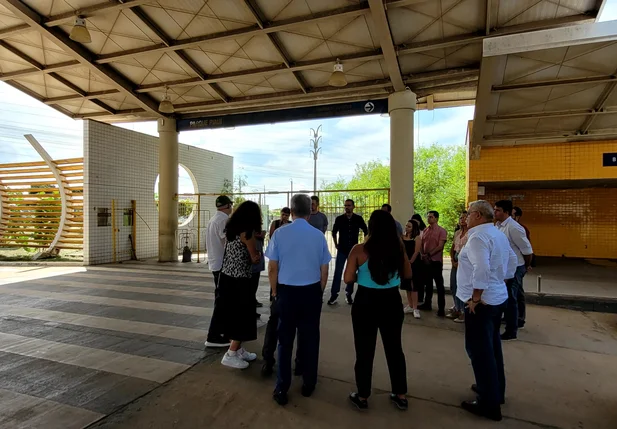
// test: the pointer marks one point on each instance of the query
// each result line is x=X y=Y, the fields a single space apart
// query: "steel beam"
x=489 y=8
x=252 y=30
x=96 y=9
x=551 y=83
x=86 y=96
x=466 y=39
x=598 y=106
x=14 y=31
x=380 y=20
x=261 y=21
x=46 y=70
x=552 y=135
x=139 y=14
x=81 y=54
x=37 y=97
x=551 y=114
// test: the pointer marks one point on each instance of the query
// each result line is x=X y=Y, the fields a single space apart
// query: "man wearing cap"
x=215 y=246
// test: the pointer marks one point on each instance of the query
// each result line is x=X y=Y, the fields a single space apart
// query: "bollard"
x=539 y=284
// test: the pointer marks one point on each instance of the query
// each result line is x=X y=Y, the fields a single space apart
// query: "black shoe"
x=475 y=408
x=280 y=398
x=401 y=404
x=441 y=313
x=361 y=404
x=307 y=391
x=349 y=299
x=474 y=387
x=332 y=301
x=425 y=307
x=506 y=336
x=267 y=369
x=258 y=304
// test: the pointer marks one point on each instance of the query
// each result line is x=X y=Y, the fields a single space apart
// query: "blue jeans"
x=515 y=288
x=483 y=346
x=341 y=258
x=300 y=310
x=458 y=304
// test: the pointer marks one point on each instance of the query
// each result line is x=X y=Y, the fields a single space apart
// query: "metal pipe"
x=539 y=284
x=198 y=225
x=113 y=230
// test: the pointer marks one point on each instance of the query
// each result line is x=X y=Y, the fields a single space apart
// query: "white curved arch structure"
x=61 y=188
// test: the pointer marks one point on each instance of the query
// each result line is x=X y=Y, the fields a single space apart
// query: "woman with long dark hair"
x=378 y=265
x=237 y=299
x=413 y=248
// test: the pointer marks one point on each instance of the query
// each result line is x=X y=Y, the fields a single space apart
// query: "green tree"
x=439 y=182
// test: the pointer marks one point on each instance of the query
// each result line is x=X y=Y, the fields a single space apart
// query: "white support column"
x=401 y=106
x=168 y=190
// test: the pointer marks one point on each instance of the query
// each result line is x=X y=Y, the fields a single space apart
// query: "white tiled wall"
x=122 y=165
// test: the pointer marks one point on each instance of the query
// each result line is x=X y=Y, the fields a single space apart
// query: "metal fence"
x=195 y=210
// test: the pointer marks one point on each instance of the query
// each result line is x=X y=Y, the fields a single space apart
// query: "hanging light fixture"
x=80 y=32
x=166 y=105
x=338 y=77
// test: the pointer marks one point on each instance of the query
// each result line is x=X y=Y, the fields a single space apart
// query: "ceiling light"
x=80 y=33
x=338 y=77
x=166 y=106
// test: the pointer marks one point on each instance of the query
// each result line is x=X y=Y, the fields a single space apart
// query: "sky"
x=267 y=156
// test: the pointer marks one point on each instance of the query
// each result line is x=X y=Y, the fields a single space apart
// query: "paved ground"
x=78 y=344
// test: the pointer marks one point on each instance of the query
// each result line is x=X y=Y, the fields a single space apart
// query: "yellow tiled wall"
x=576 y=223
x=569 y=222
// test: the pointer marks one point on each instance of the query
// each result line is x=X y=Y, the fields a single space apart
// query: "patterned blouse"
x=459 y=240
x=237 y=260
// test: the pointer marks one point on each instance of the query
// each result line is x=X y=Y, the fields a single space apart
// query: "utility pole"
x=315 y=151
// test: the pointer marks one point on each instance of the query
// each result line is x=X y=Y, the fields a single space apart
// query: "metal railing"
x=195 y=210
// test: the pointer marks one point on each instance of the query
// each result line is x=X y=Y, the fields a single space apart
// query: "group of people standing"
x=487 y=276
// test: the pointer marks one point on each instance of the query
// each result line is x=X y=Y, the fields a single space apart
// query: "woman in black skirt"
x=413 y=247
x=237 y=299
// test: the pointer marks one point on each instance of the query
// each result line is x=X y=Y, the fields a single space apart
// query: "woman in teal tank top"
x=378 y=265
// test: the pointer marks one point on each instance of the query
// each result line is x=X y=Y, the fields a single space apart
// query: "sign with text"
x=609 y=160
x=369 y=107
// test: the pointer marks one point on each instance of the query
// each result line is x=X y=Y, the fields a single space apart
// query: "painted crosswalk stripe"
x=133 y=327
x=25 y=411
x=101 y=300
x=118 y=363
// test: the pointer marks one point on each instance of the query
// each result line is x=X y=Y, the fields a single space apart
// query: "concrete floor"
x=121 y=347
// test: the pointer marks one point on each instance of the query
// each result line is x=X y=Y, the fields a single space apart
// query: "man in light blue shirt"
x=298 y=272
x=484 y=264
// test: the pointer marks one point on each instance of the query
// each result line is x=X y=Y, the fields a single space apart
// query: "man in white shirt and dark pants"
x=485 y=262
x=215 y=246
x=515 y=312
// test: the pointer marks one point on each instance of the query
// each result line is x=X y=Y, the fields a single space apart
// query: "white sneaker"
x=246 y=356
x=407 y=310
x=234 y=361
x=416 y=314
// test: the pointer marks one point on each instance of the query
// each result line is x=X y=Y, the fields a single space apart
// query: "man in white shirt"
x=215 y=246
x=522 y=248
x=485 y=262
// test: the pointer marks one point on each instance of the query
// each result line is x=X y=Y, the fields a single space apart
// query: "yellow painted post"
x=113 y=230
x=198 y=225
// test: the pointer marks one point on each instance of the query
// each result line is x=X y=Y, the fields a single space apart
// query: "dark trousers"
x=271 y=338
x=515 y=293
x=483 y=345
x=341 y=259
x=216 y=330
x=300 y=310
x=255 y=284
x=434 y=272
x=378 y=310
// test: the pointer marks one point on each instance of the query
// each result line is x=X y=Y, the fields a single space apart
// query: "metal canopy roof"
x=227 y=56
x=548 y=86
